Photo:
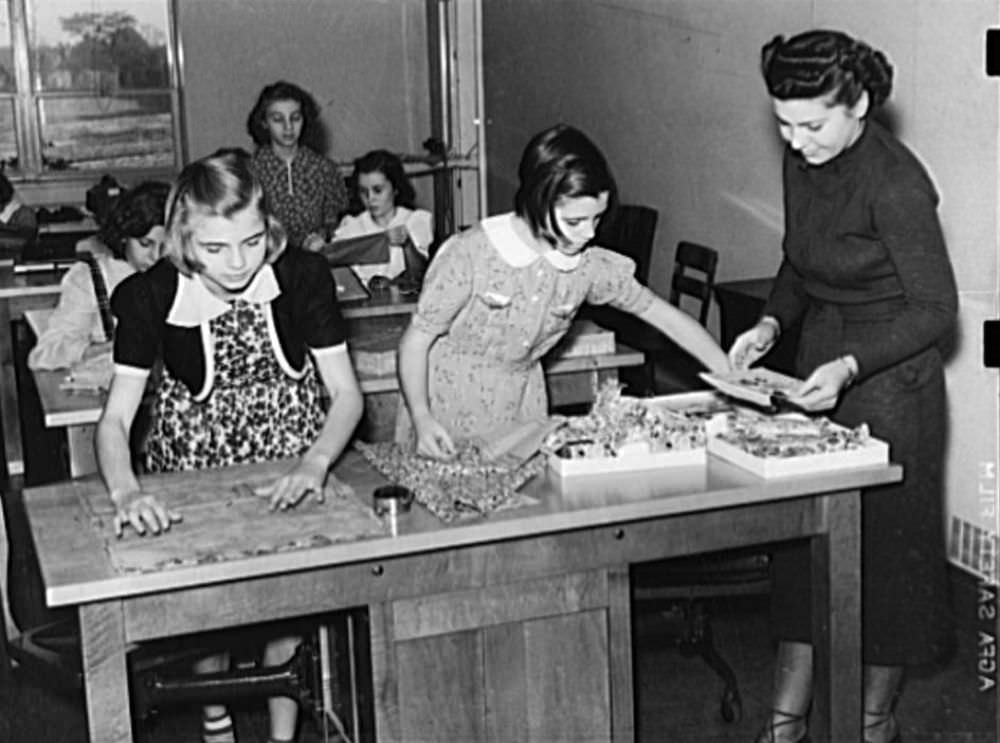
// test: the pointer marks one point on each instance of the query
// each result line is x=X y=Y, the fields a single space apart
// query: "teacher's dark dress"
x=866 y=268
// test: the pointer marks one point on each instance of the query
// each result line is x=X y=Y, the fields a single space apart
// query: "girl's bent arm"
x=346 y=406
x=687 y=333
x=115 y=462
x=432 y=439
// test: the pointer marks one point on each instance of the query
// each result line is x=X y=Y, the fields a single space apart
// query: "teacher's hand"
x=822 y=388
x=750 y=345
x=144 y=513
x=432 y=439
x=308 y=476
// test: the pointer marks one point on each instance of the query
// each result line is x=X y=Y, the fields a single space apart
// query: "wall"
x=670 y=89
x=365 y=62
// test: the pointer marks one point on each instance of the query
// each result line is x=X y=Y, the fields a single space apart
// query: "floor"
x=677 y=696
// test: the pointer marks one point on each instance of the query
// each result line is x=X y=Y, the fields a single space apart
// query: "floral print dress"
x=497 y=307
x=255 y=411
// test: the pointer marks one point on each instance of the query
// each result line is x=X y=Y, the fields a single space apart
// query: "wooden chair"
x=629 y=229
x=678 y=590
x=671 y=369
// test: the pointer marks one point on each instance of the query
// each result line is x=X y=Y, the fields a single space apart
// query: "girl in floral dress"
x=500 y=295
x=244 y=328
x=303 y=186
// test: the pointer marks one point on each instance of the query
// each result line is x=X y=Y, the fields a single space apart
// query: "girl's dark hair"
x=284 y=91
x=391 y=166
x=559 y=162
x=134 y=214
x=821 y=63
x=6 y=191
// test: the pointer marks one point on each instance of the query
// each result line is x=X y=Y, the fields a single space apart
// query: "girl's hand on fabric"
x=750 y=345
x=433 y=440
x=144 y=513
x=313 y=242
x=822 y=388
x=397 y=235
x=306 y=477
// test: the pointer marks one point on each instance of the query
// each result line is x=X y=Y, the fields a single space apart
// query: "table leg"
x=836 y=579
x=10 y=414
x=105 y=672
x=82 y=457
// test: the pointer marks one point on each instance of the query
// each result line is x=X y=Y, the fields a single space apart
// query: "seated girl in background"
x=500 y=295
x=385 y=191
x=243 y=327
x=303 y=186
x=130 y=241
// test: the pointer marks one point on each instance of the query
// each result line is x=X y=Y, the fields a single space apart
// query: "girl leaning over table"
x=244 y=328
x=500 y=295
x=866 y=269
x=131 y=240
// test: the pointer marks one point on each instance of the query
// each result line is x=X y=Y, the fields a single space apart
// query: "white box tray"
x=633 y=463
x=568 y=468
x=874 y=452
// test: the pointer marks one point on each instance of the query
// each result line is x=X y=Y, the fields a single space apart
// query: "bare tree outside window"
x=104 y=95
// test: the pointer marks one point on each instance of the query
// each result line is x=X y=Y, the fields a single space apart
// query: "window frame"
x=27 y=104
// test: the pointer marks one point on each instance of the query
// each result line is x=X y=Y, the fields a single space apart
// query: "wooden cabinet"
x=533 y=662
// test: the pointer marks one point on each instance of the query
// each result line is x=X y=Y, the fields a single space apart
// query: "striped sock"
x=218 y=730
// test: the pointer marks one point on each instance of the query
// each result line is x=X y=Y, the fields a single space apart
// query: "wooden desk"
x=18 y=292
x=515 y=627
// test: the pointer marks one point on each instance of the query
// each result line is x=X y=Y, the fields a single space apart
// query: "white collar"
x=194 y=304
x=8 y=211
x=515 y=251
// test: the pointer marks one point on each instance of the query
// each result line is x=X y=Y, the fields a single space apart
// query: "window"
x=88 y=85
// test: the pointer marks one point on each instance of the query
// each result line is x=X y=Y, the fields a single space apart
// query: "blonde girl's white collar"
x=503 y=235
x=194 y=304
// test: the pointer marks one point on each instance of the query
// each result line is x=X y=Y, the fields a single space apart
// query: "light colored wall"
x=670 y=89
x=365 y=62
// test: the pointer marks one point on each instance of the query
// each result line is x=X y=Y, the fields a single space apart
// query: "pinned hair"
x=821 y=63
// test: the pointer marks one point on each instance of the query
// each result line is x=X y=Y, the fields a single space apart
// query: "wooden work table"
x=512 y=627
x=18 y=292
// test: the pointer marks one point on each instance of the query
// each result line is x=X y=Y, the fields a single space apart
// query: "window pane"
x=6 y=51
x=8 y=145
x=99 y=45
x=102 y=132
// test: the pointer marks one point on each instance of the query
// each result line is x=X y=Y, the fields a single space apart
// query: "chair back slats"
x=629 y=229
x=689 y=259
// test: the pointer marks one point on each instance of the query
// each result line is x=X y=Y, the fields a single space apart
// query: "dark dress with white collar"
x=239 y=387
x=866 y=269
